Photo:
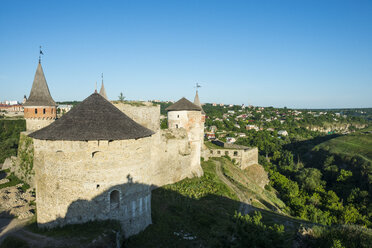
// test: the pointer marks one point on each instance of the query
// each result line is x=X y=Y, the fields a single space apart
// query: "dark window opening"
x=44 y=111
x=97 y=186
x=35 y=111
x=176 y=125
x=235 y=153
x=218 y=152
x=114 y=199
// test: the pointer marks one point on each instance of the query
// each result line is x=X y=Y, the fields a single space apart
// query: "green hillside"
x=355 y=144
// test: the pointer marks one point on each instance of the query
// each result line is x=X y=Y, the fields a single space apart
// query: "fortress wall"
x=74 y=180
x=171 y=157
x=22 y=165
x=191 y=121
x=244 y=157
x=36 y=124
x=148 y=116
x=250 y=157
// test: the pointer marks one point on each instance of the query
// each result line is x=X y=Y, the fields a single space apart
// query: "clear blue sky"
x=302 y=54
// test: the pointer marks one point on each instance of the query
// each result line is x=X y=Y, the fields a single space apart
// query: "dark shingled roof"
x=40 y=95
x=183 y=104
x=93 y=119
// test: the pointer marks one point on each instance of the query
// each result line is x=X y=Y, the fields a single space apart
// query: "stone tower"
x=39 y=109
x=185 y=114
x=91 y=164
x=197 y=103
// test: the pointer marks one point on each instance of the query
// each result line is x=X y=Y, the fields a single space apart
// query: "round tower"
x=185 y=114
x=90 y=164
x=39 y=109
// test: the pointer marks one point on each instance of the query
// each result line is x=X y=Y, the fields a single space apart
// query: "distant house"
x=242 y=134
x=64 y=108
x=210 y=135
x=230 y=140
x=231 y=111
x=237 y=126
x=11 y=108
x=283 y=133
x=270 y=129
x=251 y=127
x=213 y=128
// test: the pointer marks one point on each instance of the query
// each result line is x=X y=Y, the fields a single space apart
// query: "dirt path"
x=245 y=205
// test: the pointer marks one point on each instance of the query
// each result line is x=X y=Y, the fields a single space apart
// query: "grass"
x=13 y=181
x=13 y=242
x=200 y=208
x=86 y=230
x=266 y=199
x=355 y=144
x=210 y=145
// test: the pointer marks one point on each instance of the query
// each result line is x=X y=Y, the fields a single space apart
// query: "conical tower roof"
x=183 y=104
x=40 y=95
x=102 y=91
x=93 y=119
x=197 y=102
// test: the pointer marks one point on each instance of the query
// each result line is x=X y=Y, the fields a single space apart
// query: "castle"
x=96 y=162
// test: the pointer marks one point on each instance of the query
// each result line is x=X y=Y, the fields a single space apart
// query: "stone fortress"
x=100 y=160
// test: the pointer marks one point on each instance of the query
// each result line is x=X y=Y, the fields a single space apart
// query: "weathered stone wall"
x=36 y=124
x=22 y=165
x=243 y=157
x=192 y=122
x=249 y=157
x=74 y=180
x=147 y=115
x=171 y=157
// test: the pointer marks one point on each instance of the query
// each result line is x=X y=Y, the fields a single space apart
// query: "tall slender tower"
x=40 y=109
x=185 y=114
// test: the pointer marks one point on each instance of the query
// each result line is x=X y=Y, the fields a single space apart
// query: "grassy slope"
x=358 y=143
x=204 y=208
x=197 y=207
x=261 y=198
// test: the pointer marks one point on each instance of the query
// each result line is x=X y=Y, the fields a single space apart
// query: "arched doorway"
x=114 y=200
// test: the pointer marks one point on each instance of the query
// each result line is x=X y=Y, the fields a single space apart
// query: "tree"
x=121 y=97
x=310 y=178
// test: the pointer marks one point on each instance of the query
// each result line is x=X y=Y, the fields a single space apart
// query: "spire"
x=40 y=53
x=40 y=95
x=102 y=91
x=197 y=101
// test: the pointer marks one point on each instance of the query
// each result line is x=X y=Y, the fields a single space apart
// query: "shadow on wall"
x=129 y=203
